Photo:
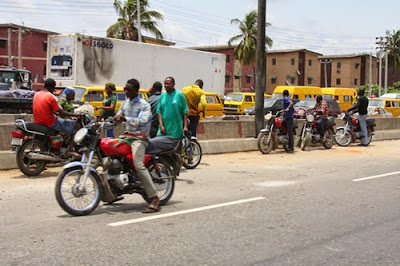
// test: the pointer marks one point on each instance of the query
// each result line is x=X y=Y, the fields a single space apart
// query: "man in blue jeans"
x=362 y=108
x=288 y=116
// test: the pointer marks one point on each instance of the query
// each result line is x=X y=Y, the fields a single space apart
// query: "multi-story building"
x=24 y=47
x=292 y=67
x=347 y=71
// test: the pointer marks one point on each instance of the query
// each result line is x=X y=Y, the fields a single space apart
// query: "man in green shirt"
x=66 y=103
x=171 y=109
x=108 y=108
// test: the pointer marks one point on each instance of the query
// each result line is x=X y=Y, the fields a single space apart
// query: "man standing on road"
x=153 y=101
x=362 y=108
x=288 y=116
x=136 y=112
x=194 y=94
x=321 y=114
x=170 y=109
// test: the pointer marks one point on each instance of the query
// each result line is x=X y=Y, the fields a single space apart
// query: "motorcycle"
x=191 y=151
x=37 y=145
x=80 y=186
x=309 y=133
x=274 y=133
x=350 y=132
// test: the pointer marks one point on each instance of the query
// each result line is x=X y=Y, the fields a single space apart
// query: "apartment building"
x=347 y=71
x=292 y=67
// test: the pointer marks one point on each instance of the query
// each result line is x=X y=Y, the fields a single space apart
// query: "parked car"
x=309 y=103
x=378 y=112
x=272 y=105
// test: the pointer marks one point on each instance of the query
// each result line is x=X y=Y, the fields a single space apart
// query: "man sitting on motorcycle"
x=136 y=112
x=45 y=106
x=321 y=113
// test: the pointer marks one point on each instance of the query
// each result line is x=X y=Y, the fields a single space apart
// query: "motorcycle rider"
x=45 y=106
x=321 y=113
x=362 y=108
x=288 y=116
x=136 y=112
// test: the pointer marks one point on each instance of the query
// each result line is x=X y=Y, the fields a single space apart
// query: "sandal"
x=151 y=209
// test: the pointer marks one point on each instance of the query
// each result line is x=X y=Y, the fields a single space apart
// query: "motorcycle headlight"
x=309 y=118
x=80 y=135
x=268 y=116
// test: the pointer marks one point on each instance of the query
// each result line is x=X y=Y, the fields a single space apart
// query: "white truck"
x=76 y=59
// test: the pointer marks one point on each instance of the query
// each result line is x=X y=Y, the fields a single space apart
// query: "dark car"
x=309 y=103
x=270 y=105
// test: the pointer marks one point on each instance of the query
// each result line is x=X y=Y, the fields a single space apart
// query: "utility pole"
x=386 y=69
x=383 y=45
x=261 y=66
x=139 y=22
x=19 y=47
x=370 y=75
x=324 y=62
x=9 y=48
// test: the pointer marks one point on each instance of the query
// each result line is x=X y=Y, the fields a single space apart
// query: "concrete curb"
x=215 y=146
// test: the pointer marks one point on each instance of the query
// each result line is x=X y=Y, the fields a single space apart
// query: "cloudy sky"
x=324 y=26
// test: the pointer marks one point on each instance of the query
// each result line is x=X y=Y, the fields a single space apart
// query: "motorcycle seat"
x=330 y=121
x=41 y=129
x=370 y=121
x=160 y=144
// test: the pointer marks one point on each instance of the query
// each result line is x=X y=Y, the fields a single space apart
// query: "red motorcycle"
x=274 y=133
x=37 y=145
x=80 y=186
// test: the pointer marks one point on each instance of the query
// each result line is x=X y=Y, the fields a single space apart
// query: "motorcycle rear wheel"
x=369 y=137
x=306 y=141
x=265 y=142
x=328 y=139
x=71 y=198
x=191 y=161
x=165 y=187
x=27 y=166
x=342 y=137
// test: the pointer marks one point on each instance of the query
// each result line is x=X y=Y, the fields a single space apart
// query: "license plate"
x=16 y=142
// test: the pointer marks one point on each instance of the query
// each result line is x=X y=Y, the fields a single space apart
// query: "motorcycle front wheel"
x=342 y=137
x=164 y=186
x=27 y=166
x=192 y=155
x=265 y=142
x=72 y=198
x=306 y=141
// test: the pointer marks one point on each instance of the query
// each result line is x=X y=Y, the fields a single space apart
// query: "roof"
x=223 y=47
x=344 y=56
x=11 y=25
x=158 y=40
x=291 y=51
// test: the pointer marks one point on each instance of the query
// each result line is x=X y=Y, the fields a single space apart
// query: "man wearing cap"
x=45 y=106
x=66 y=103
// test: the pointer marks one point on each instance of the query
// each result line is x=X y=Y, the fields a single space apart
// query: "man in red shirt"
x=45 y=106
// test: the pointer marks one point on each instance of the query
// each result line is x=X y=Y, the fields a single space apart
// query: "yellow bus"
x=297 y=92
x=345 y=97
x=236 y=102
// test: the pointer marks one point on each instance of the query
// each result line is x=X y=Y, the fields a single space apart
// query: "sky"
x=324 y=26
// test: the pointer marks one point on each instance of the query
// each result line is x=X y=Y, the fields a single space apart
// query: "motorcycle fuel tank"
x=115 y=147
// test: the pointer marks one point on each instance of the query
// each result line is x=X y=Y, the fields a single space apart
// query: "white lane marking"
x=275 y=183
x=144 y=219
x=375 y=176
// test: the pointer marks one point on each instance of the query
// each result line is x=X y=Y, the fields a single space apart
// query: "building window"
x=292 y=61
x=309 y=80
x=357 y=65
x=2 y=43
x=273 y=61
x=337 y=81
x=292 y=80
x=273 y=80
x=45 y=46
x=44 y=70
x=339 y=65
x=346 y=98
x=228 y=58
x=248 y=78
x=227 y=78
x=310 y=62
x=355 y=81
x=237 y=76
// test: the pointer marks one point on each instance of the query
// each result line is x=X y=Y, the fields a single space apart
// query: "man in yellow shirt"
x=194 y=94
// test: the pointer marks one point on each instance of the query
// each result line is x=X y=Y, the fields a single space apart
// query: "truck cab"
x=13 y=78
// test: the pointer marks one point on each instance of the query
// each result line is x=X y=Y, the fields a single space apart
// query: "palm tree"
x=245 y=51
x=126 y=27
x=394 y=47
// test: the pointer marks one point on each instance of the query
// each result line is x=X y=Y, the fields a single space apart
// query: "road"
x=319 y=207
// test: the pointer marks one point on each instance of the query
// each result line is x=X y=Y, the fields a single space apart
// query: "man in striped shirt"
x=136 y=112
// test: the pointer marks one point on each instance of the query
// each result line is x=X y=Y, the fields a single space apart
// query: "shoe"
x=290 y=151
x=362 y=145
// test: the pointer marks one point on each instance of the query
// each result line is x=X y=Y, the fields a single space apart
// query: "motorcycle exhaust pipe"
x=43 y=157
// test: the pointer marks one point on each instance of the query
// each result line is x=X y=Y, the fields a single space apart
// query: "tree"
x=394 y=47
x=126 y=27
x=245 y=51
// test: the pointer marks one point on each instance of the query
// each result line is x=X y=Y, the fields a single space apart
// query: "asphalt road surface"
x=319 y=207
